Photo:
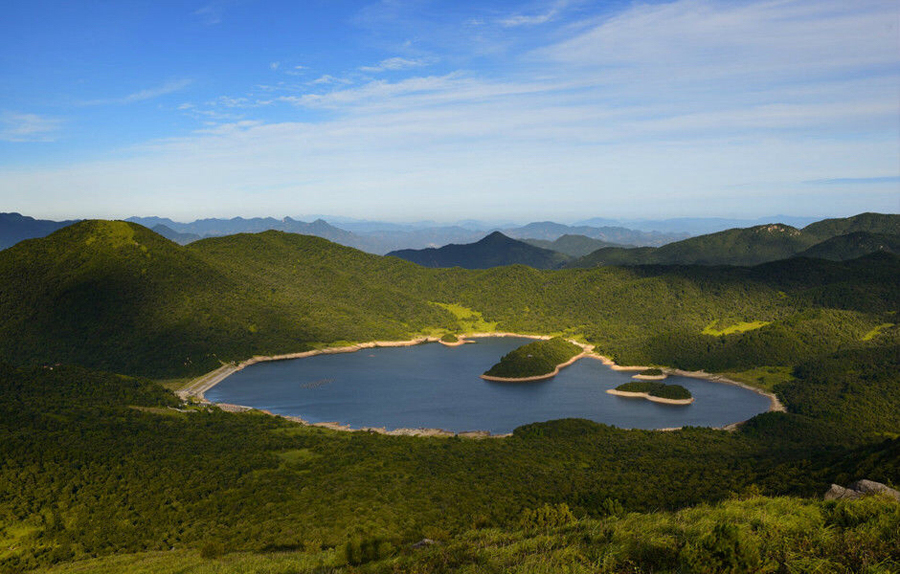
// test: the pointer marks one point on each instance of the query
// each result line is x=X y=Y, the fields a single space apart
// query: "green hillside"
x=761 y=244
x=853 y=245
x=495 y=250
x=748 y=246
x=887 y=223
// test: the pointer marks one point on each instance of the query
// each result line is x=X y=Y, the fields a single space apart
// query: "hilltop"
x=495 y=250
x=755 y=245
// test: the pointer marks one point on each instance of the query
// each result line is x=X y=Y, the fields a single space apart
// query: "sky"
x=405 y=110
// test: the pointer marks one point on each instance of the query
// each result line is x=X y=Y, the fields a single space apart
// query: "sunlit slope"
x=761 y=244
x=114 y=295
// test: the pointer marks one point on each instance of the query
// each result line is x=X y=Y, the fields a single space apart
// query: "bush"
x=726 y=549
x=546 y=517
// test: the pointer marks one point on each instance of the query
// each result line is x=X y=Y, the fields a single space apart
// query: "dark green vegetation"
x=534 y=359
x=651 y=372
x=763 y=243
x=853 y=245
x=94 y=464
x=493 y=251
x=656 y=389
x=449 y=338
x=572 y=245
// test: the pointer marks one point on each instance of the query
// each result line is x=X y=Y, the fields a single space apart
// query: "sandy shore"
x=460 y=341
x=196 y=388
x=650 y=397
x=649 y=377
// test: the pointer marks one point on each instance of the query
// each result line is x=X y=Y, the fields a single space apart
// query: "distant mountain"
x=749 y=246
x=179 y=238
x=572 y=245
x=220 y=227
x=762 y=243
x=853 y=245
x=495 y=250
x=696 y=225
x=550 y=231
x=870 y=222
x=15 y=227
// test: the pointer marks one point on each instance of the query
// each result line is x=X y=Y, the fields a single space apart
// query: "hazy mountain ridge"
x=492 y=251
x=573 y=245
x=15 y=227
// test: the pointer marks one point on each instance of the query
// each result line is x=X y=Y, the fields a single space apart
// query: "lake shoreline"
x=197 y=388
x=650 y=397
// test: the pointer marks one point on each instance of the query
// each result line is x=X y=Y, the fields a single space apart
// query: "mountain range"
x=495 y=250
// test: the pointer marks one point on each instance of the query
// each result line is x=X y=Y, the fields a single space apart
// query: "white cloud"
x=17 y=127
x=274 y=65
x=169 y=87
x=393 y=64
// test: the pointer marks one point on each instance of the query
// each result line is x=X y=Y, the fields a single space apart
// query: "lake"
x=433 y=386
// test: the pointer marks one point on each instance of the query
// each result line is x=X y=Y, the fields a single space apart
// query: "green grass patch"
x=741 y=327
x=765 y=378
x=469 y=320
x=876 y=331
x=297 y=456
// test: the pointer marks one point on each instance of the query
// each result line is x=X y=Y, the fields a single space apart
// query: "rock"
x=872 y=487
x=423 y=543
x=860 y=488
x=837 y=492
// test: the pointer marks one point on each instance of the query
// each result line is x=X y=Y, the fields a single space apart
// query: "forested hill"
x=116 y=296
x=495 y=250
x=760 y=244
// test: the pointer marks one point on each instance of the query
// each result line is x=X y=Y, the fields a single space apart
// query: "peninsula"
x=535 y=361
x=654 y=391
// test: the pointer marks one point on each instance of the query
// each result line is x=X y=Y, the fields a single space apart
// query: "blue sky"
x=407 y=110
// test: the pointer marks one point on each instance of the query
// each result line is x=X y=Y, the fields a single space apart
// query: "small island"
x=534 y=361
x=654 y=391
x=451 y=340
x=650 y=375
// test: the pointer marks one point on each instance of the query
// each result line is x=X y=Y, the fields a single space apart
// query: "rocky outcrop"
x=860 y=488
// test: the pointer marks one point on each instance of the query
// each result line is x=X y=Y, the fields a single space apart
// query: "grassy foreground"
x=756 y=534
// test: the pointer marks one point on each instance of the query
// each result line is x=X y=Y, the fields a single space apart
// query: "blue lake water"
x=433 y=386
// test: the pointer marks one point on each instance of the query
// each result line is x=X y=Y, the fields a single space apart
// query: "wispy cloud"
x=394 y=64
x=534 y=19
x=855 y=180
x=17 y=127
x=210 y=15
x=169 y=87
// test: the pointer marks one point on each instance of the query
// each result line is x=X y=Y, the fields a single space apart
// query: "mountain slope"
x=853 y=245
x=495 y=250
x=116 y=296
x=749 y=246
x=870 y=222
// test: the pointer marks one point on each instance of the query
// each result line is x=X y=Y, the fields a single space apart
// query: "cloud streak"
x=18 y=127
x=165 y=89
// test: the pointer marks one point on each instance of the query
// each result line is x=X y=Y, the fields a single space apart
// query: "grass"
x=175 y=384
x=876 y=331
x=741 y=327
x=765 y=378
x=741 y=535
x=470 y=321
